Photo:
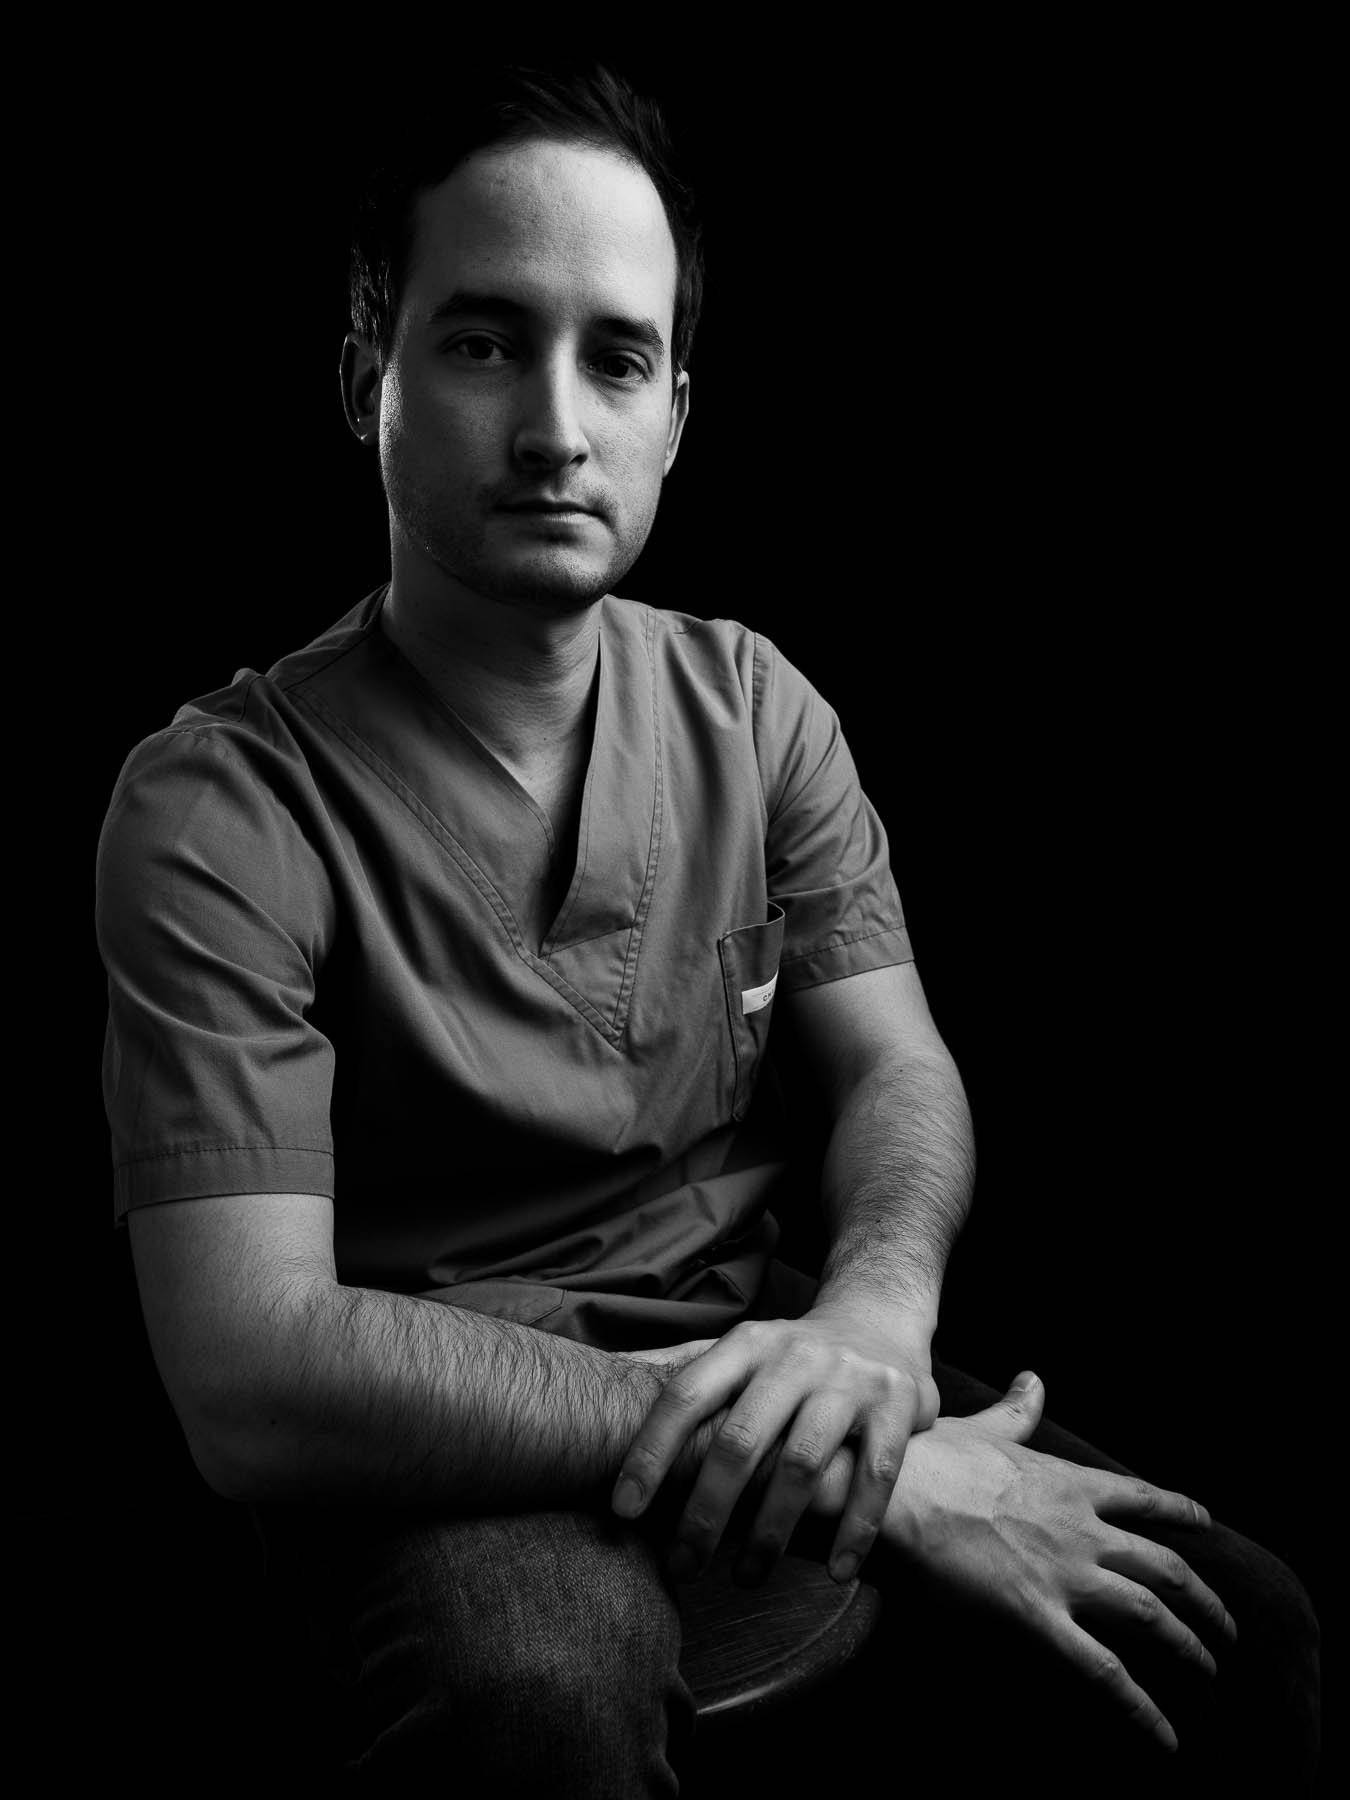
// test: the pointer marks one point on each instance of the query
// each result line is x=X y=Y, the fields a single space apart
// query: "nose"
x=549 y=432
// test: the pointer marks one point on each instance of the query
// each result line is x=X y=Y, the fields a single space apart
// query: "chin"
x=541 y=583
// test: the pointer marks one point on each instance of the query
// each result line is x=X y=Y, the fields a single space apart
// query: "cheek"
x=645 y=454
x=420 y=433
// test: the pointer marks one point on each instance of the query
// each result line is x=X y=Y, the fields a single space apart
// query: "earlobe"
x=361 y=384
x=679 y=412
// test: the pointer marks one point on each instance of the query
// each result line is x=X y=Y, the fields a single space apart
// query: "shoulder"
x=225 y=769
x=245 y=732
x=724 y=674
x=226 y=790
x=713 y=650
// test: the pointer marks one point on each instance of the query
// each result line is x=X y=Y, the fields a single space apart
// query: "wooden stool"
x=762 y=1665
x=747 y=1649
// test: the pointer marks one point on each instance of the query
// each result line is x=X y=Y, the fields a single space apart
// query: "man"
x=443 y=965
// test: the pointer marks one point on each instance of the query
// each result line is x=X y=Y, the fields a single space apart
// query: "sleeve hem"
x=847 y=956
x=197 y=1173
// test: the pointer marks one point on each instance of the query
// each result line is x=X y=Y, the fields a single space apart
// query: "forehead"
x=550 y=225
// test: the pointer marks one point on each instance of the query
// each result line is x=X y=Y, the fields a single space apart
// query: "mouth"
x=548 y=509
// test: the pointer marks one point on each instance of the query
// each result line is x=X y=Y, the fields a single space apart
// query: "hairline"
x=530 y=132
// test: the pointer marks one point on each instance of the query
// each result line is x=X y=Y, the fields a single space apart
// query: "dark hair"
x=502 y=105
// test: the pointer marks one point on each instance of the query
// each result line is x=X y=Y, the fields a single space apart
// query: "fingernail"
x=844 y=1567
x=1024 y=1383
x=682 y=1564
x=1165 y=1734
x=627 y=1500
x=1230 y=1626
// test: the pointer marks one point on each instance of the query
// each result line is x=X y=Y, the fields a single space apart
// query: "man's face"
x=527 y=412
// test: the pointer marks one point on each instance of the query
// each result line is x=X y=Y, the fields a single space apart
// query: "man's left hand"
x=794 y=1392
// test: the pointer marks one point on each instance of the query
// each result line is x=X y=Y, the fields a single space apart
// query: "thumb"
x=1018 y=1413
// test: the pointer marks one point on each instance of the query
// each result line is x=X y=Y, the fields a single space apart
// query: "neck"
x=519 y=678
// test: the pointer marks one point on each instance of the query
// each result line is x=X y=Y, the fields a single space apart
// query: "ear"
x=679 y=412
x=362 y=381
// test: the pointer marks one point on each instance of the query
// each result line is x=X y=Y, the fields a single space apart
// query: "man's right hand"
x=1035 y=1536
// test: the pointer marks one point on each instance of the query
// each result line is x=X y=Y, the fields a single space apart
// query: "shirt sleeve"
x=212 y=914
x=826 y=852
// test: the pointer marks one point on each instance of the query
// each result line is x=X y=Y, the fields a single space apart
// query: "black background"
x=1002 y=426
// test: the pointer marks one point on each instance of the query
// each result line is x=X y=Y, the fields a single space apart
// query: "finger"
x=808 y=1446
x=1118 y=1600
x=1127 y=1496
x=1160 y=1568
x=1017 y=1414
x=1108 y=1674
x=763 y=1414
x=672 y=1356
x=929 y=1404
x=880 y=1454
x=693 y=1394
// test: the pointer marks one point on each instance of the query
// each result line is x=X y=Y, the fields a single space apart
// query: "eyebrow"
x=466 y=304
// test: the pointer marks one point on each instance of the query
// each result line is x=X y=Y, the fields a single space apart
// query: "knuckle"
x=802 y=1460
x=734 y=1440
x=698 y=1525
x=643 y=1463
x=798 y=1350
x=1145 y=1497
x=860 y=1532
x=1104 y=1668
x=1174 y=1571
x=681 y=1392
x=769 y=1541
x=1147 y=1606
x=889 y=1383
x=1140 y=1707
x=883 y=1469
x=749 y=1334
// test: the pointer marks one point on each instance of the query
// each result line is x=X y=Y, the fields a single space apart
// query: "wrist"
x=908 y=1323
x=884 y=1275
x=903 y=1525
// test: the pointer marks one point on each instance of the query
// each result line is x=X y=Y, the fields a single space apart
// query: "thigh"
x=516 y=1649
x=963 y=1394
x=1256 y=1725
x=999 y=1702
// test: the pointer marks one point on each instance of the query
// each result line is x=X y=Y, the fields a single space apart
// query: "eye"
x=616 y=365
x=476 y=348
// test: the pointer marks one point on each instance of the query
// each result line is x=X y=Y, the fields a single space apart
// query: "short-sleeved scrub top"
x=332 y=969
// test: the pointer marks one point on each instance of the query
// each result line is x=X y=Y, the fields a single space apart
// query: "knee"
x=570 y=1687
x=1268 y=1600
x=526 y=1649
x=600 y=1638
x=1271 y=1679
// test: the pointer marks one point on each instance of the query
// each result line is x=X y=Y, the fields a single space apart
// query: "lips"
x=546 y=508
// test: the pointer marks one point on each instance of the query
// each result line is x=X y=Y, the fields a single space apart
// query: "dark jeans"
x=1009 y=1701
x=539 y=1654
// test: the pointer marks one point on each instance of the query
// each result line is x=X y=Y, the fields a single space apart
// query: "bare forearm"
x=369 y=1395
x=896 y=1185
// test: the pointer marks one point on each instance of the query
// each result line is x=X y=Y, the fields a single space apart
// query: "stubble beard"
x=552 y=578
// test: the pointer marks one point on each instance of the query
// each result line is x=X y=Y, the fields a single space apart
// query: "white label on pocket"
x=752 y=999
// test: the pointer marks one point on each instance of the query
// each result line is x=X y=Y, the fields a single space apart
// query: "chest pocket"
x=750 y=977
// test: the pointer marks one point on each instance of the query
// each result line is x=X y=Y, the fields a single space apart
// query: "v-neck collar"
x=474 y=807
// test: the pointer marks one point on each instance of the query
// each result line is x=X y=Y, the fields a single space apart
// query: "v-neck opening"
x=589 y=950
